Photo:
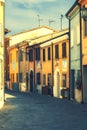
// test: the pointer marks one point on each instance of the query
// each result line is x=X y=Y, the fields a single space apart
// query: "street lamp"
x=84 y=13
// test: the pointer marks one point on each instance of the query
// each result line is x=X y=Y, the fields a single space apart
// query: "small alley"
x=30 y=111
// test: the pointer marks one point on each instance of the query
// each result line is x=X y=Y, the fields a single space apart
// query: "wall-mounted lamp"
x=84 y=13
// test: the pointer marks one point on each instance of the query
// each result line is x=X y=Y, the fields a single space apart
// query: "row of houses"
x=38 y=62
x=46 y=61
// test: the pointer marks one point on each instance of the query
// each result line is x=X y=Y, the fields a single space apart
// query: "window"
x=49 y=79
x=78 y=34
x=21 y=55
x=27 y=77
x=64 y=50
x=17 y=77
x=56 y=52
x=48 y=53
x=12 y=77
x=10 y=57
x=78 y=80
x=64 y=80
x=44 y=79
x=37 y=53
x=85 y=27
x=30 y=55
x=20 y=77
x=27 y=55
x=72 y=38
x=38 y=78
x=44 y=55
x=16 y=55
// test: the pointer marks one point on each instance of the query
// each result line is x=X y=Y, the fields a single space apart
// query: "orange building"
x=18 y=54
x=83 y=5
x=40 y=64
x=55 y=64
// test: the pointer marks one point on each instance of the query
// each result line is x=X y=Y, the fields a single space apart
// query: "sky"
x=21 y=15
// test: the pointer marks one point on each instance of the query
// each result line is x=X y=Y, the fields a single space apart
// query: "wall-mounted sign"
x=38 y=65
x=64 y=65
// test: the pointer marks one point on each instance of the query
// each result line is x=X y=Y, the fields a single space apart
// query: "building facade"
x=78 y=39
x=18 y=53
x=55 y=63
x=83 y=8
x=41 y=65
x=1 y=53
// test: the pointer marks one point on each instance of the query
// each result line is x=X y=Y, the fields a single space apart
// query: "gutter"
x=81 y=51
x=72 y=7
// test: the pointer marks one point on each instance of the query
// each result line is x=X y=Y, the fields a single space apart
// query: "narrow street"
x=41 y=112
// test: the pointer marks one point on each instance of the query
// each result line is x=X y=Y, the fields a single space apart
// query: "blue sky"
x=22 y=15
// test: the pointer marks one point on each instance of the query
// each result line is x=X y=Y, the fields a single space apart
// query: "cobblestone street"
x=40 y=112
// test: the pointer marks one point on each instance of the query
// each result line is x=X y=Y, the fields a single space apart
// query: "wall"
x=1 y=53
x=75 y=59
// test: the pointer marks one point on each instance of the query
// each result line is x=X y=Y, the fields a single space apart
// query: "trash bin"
x=65 y=93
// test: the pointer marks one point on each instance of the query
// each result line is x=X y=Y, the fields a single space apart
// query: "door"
x=58 y=84
x=85 y=84
x=31 y=81
x=72 y=84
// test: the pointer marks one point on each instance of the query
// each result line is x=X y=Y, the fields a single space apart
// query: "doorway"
x=56 y=88
x=31 y=81
x=72 y=84
x=85 y=83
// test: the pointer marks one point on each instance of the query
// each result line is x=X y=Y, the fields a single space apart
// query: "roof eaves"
x=66 y=33
x=34 y=29
x=72 y=7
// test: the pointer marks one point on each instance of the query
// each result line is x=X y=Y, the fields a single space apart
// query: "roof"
x=47 y=38
x=30 y=34
x=33 y=30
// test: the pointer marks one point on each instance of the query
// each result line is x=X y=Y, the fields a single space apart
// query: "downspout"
x=69 y=59
x=19 y=67
x=34 y=68
x=69 y=55
x=52 y=71
x=81 y=52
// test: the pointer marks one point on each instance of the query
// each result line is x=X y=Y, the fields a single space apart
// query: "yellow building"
x=1 y=53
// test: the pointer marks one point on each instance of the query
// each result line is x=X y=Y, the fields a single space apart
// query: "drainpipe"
x=81 y=52
x=69 y=59
x=19 y=67
x=52 y=70
x=34 y=68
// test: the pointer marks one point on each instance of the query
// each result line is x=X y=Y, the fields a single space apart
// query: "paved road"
x=36 y=112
